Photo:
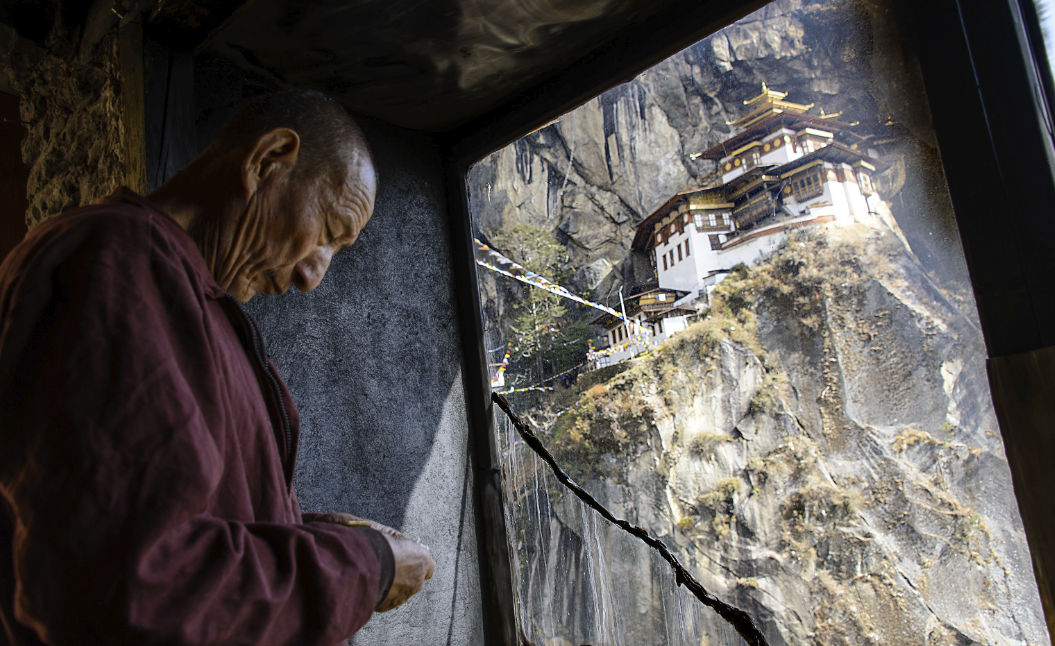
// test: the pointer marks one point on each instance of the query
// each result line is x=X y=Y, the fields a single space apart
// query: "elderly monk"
x=146 y=441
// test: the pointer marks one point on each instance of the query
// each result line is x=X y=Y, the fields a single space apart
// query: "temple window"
x=807 y=186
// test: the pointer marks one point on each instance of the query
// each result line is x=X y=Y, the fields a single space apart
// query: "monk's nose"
x=308 y=273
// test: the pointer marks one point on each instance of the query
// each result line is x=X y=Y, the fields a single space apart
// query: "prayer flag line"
x=542 y=389
x=496 y=262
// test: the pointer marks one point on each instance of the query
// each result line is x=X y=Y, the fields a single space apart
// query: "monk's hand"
x=413 y=563
x=414 y=566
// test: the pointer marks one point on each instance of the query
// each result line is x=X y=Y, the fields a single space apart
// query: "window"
x=807 y=185
x=817 y=285
x=866 y=183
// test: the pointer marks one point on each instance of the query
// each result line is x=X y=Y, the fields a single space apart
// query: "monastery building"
x=782 y=169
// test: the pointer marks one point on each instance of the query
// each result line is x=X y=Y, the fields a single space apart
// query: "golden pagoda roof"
x=767 y=103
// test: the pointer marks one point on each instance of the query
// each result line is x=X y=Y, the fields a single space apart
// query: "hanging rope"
x=537 y=384
x=737 y=618
x=490 y=259
x=541 y=389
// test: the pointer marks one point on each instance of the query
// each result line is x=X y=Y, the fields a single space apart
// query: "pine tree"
x=538 y=329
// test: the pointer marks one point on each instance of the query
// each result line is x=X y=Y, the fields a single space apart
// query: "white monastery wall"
x=671 y=326
x=680 y=274
x=781 y=154
x=733 y=174
x=856 y=199
x=748 y=252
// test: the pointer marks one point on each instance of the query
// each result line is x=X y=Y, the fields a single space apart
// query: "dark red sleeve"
x=108 y=465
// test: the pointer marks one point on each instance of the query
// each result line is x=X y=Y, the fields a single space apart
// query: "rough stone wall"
x=373 y=360
x=71 y=107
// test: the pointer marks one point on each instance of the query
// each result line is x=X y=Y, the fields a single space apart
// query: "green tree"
x=541 y=337
x=536 y=249
x=570 y=348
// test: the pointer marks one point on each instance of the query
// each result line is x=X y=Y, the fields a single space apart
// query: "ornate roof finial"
x=830 y=115
x=767 y=94
x=768 y=102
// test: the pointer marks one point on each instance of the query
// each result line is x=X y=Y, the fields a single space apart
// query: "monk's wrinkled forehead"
x=355 y=198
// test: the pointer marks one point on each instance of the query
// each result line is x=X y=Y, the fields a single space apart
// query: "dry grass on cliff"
x=703 y=444
x=608 y=419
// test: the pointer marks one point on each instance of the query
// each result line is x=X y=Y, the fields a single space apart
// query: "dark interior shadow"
x=372 y=357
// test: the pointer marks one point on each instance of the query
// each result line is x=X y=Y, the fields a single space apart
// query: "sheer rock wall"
x=824 y=458
x=595 y=174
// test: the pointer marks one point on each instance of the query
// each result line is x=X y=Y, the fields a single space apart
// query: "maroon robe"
x=146 y=451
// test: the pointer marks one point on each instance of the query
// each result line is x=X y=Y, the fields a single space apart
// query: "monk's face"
x=293 y=225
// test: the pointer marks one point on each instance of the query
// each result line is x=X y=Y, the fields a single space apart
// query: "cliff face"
x=821 y=450
x=594 y=175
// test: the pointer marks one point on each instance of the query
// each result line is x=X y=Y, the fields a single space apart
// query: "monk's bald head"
x=287 y=183
x=330 y=140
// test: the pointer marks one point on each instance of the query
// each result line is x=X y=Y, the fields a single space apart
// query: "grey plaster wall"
x=373 y=360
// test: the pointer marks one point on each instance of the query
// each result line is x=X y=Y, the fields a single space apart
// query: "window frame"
x=982 y=78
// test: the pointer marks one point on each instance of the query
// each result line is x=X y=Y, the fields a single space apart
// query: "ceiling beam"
x=619 y=59
x=185 y=25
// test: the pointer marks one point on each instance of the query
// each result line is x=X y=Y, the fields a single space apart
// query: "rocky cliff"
x=595 y=174
x=820 y=449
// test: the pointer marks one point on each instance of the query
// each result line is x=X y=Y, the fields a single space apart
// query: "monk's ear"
x=275 y=152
